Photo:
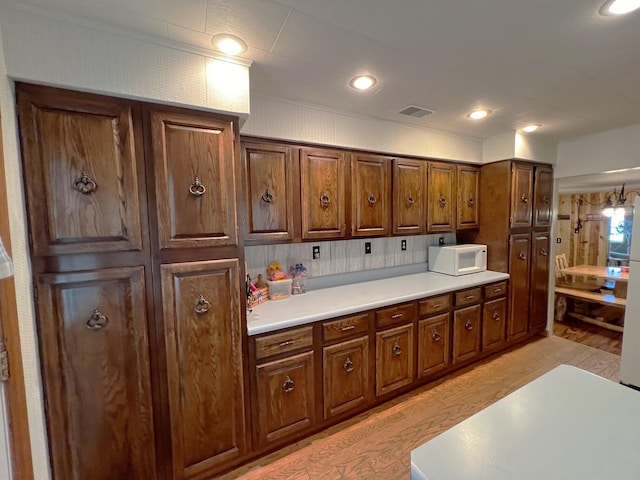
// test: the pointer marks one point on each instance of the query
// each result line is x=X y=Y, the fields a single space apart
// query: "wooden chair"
x=564 y=280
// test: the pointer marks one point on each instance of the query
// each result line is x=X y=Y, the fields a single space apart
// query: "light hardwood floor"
x=377 y=444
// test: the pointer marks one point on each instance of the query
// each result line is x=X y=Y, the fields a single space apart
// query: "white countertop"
x=567 y=424
x=357 y=297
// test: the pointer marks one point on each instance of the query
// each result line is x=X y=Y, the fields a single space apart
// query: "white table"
x=566 y=425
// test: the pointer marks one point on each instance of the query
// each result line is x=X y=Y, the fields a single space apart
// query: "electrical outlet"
x=403 y=245
x=440 y=240
x=558 y=240
x=367 y=248
x=316 y=252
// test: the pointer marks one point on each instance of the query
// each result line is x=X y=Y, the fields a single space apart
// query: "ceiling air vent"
x=416 y=112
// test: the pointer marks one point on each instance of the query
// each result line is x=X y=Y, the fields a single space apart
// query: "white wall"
x=516 y=145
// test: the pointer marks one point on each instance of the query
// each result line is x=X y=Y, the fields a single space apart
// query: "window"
x=619 y=238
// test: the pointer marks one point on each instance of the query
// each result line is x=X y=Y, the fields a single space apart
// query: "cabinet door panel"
x=346 y=376
x=371 y=195
x=96 y=374
x=539 y=281
x=204 y=364
x=468 y=195
x=519 y=272
x=82 y=172
x=409 y=186
x=441 y=199
x=543 y=191
x=466 y=333
x=322 y=185
x=494 y=322
x=433 y=344
x=521 y=198
x=394 y=358
x=194 y=164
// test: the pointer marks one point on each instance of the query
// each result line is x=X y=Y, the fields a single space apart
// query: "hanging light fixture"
x=620 y=198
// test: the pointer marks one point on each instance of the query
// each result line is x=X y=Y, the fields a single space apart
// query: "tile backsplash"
x=344 y=256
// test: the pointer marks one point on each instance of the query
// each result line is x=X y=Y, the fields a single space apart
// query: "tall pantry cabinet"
x=137 y=274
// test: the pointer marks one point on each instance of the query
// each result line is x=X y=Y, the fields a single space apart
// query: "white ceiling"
x=554 y=62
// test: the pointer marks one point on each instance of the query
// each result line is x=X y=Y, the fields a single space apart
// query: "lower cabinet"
x=433 y=344
x=466 y=333
x=494 y=318
x=394 y=358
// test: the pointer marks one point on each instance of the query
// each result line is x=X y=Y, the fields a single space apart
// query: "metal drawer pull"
x=348 y=327
x=397 y=315
x=522 y=256
x=396 y=349
x=543 y=252
x=524 y=198
x=348 y=365
x=410 y=200
x=288 y=385
x=496 y=316
x=545 y=199
x=97 y=320
x=267 y=197
x=286 y=343
x=435 y=336
x=442 y=201
x=497 y=289
x=436 y=305
x=324 y=200
x=470 y=297
x=197 y=189
x=84 y=184
x=372 y=199
x=201 y=306
x=468 y=325
x=470 y=202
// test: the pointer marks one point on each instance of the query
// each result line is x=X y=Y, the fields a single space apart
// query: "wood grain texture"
x=543 y=195
x=539 y=287
x=371 y=195
x=591 y=335
x=467 y=325
x=494 y=324
x=396 y=314
x=522 y=195
x=520 y=280
x=409 y=196
x=345 y=327
x=468 y=191
x=468 y=297
x=441 y=195
x=279 y=343
x=434 y=344
x=394 y=358
x=432 y=305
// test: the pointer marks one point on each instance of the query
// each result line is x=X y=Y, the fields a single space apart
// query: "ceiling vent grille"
x=416 y=112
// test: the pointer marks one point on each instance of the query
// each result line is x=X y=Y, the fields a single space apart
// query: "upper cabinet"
x=269 y=188
x=322 y=191
x=371 y=195
x=441 y=207
x=194 y=163
x=409 y=196
x=468 y=183
x=85 y=174
x=543 y=193
x=522 y=193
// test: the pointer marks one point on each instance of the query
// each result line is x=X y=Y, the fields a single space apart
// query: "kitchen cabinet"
x=521 y=199
x=468 y=183
x=441 y=197
x=543 y=193
x=539 y=281
x=520 y=271
x=494 y=322
x=433 y=344
x=371 y=195
x=394 y=358
x=269 y=171
x=409 y=197
x=466 y=333
x=323 y=193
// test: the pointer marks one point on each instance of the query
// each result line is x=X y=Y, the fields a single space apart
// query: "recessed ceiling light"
x=363 y=82
x=531 y=128
x=619 y=7
x=228 y=44
x=478 y=114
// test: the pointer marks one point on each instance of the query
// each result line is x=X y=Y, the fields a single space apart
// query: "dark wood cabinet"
x=539 y=281
x=323 y=194
x=269 y=172
x=494 y=323
x=543 y=194
x=522 y=195
x=468 y=182
x=441 y=197
x=394 y=358
x=467 y=323
x=371 y=195
x=519 y=271
x=409 y=197
x=433 y=344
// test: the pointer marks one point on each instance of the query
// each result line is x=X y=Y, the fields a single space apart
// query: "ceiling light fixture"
x=478 y=114
x=229 y=44
x=620 y=205
x=363 y=82
x=619 y=7
x=531 y=128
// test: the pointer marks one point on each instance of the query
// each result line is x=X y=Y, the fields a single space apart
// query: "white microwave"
x=458 y=259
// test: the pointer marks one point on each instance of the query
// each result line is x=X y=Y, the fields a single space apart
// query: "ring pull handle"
x=348 y=365
x=545 y=200
x=266 y=197
x=442 y=201
x=524 y=198
x=522 y=256
x=410 y=200
x=468 y=325
x=470 y=201
x=201 y=306
x=372 y=199
x=197 y=189
x=396 y=349
x=543 y=252
x=84 y=184
x=496 y=316
x=324 y=200
x=436 y=336
x=288 y=385
x=97 y=320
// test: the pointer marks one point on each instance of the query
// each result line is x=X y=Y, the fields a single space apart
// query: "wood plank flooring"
x=377 y=443
x=588 y=334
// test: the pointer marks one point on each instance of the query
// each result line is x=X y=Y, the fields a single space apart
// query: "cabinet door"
x=441 y=199
x=433 y=344
x=543 y=193
x=204 y=364
x=519 y=272
x=539 y=281
x=371 y=195
x=394 y=358
x=322 y=184
x=83 y=172
x=521 y=195
x=409 y=199
x=346 y=376
x=268 y=169
x=468 y=180
x=96 y=374
x=285 y=394
x=466 y=333
x=494 y=323
x=194 y=163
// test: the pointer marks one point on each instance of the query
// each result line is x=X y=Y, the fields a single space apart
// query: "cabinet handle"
x=286 y=343
x=410 y=200
x=470 y=202
x=197 y=189
x=469 y=297
x=84 y=184
x=397 y=315
x=496 y=316
x=97 y=320
x=435 y=336
x=543 y=252
x=436 y=305
x=442 y=201
x=522 y=256
x=497 y=290
x=201 y=306
x=524 y=198
x=324 y=200
x=372 y=199
x=545 y=200
x=267 y=197
x=348 y=365
x=288 y=385
x=348 y=327
x=396 y=349
x=468 y=325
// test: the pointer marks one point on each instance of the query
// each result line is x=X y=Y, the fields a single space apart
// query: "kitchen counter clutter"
x=337 y=301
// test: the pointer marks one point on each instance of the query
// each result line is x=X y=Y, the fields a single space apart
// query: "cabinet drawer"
x=396 y=314
x=433 y=305
x=468 y=297
x=284 y=342
x=495 y=290
x=345 y=327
